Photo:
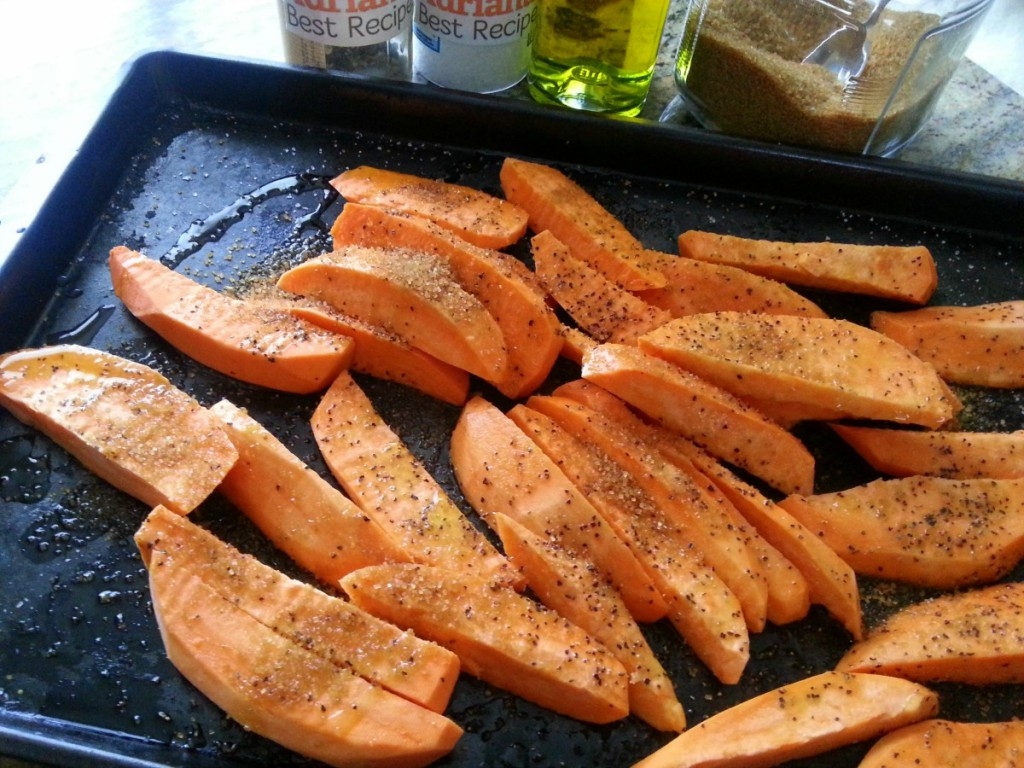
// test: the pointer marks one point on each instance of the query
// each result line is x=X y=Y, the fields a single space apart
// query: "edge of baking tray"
x=155 y=79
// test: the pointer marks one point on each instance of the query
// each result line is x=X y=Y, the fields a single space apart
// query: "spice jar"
x=473 y=46
x=596 y=55
x=858 y=76
x=371 y=37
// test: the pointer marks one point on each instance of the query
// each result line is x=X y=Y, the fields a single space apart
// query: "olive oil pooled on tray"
x=596 y=55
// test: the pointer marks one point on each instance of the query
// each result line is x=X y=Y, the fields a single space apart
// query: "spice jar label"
x=477 y=45
x=346 y=23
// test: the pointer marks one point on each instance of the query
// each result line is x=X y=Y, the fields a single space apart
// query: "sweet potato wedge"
x=974 y=637
x=704 y=412
x=285 y=692
x=472 y=214
x=499 y=635
x=981 y=345
x=414 y=295
x=383 y=354
x=379 y=472
x=555 y=202
x=581 y=593
x=700 y=286
x=943 y=453
x=788 y=597
x=701 y=607
x=945 y=743
x=575 y=343
x=249 y=342
x=818 y=367
x=603 y=309
x=500 y=470
x=330 y=627
x=122 y=420
x=929 y=531
x=306 y=517
x=684 y=503
x=802 y=719
x=904 y=273
x=502 y=283
x=831 y=582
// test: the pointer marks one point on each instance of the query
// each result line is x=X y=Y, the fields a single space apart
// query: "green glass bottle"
x=596 y=55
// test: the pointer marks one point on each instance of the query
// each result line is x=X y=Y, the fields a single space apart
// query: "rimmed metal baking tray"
x=219 y=167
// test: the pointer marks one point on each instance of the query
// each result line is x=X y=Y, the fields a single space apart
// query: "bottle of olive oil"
x=596 y=55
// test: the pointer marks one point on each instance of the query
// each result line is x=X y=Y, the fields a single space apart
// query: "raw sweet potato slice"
x=905 y=273
x=249 y=342
x=410 y=293
x=500 y=470
x=602 y=308
x=284 y=692
x=502 y=283
x=974 y=637
x=555 y=202
x=787 y=595
x=500 y=636
x=581 y=593
x=683 y=502
x=828 y=368
x=473 y=214
x=831 y=582
x=701 y=607
x=704 y=412
x=392 y=486
x=122 y=420
x=957 y=455
x=981 y=345
x=801 y=719
x=332 y=628
x=382 y=354
x=575 y=343
x=938 y=743
x=305 y=517
x=929 y=531
x=699 y=286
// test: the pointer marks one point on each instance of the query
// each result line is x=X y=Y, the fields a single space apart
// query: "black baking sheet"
x=219 y=167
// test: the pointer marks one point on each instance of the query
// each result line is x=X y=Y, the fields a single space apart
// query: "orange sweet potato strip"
x=701 y=607
x=942 y=453
x=826 y=368
x=929 y=531
x=569 y=585
x=601 y=307
x=384 y=355
x=801 y=719
x=122 y=420
x=330 y=627
x=973 y=637
x=937 y=742
x=904 y=273
x=249 y=342
x=981 y=345
x=499 y=469
x=500 y=636
x=283 y=690
x=391 y=485
x=701 y=286
x=410 y=293
x=306 y=517
x=830 y=581
x=555 y=202
x=503 y=284
x=704 y=412
x=472 y=214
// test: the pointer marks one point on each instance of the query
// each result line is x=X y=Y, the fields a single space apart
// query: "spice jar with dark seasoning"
x=858 y=76
x=370 y=37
